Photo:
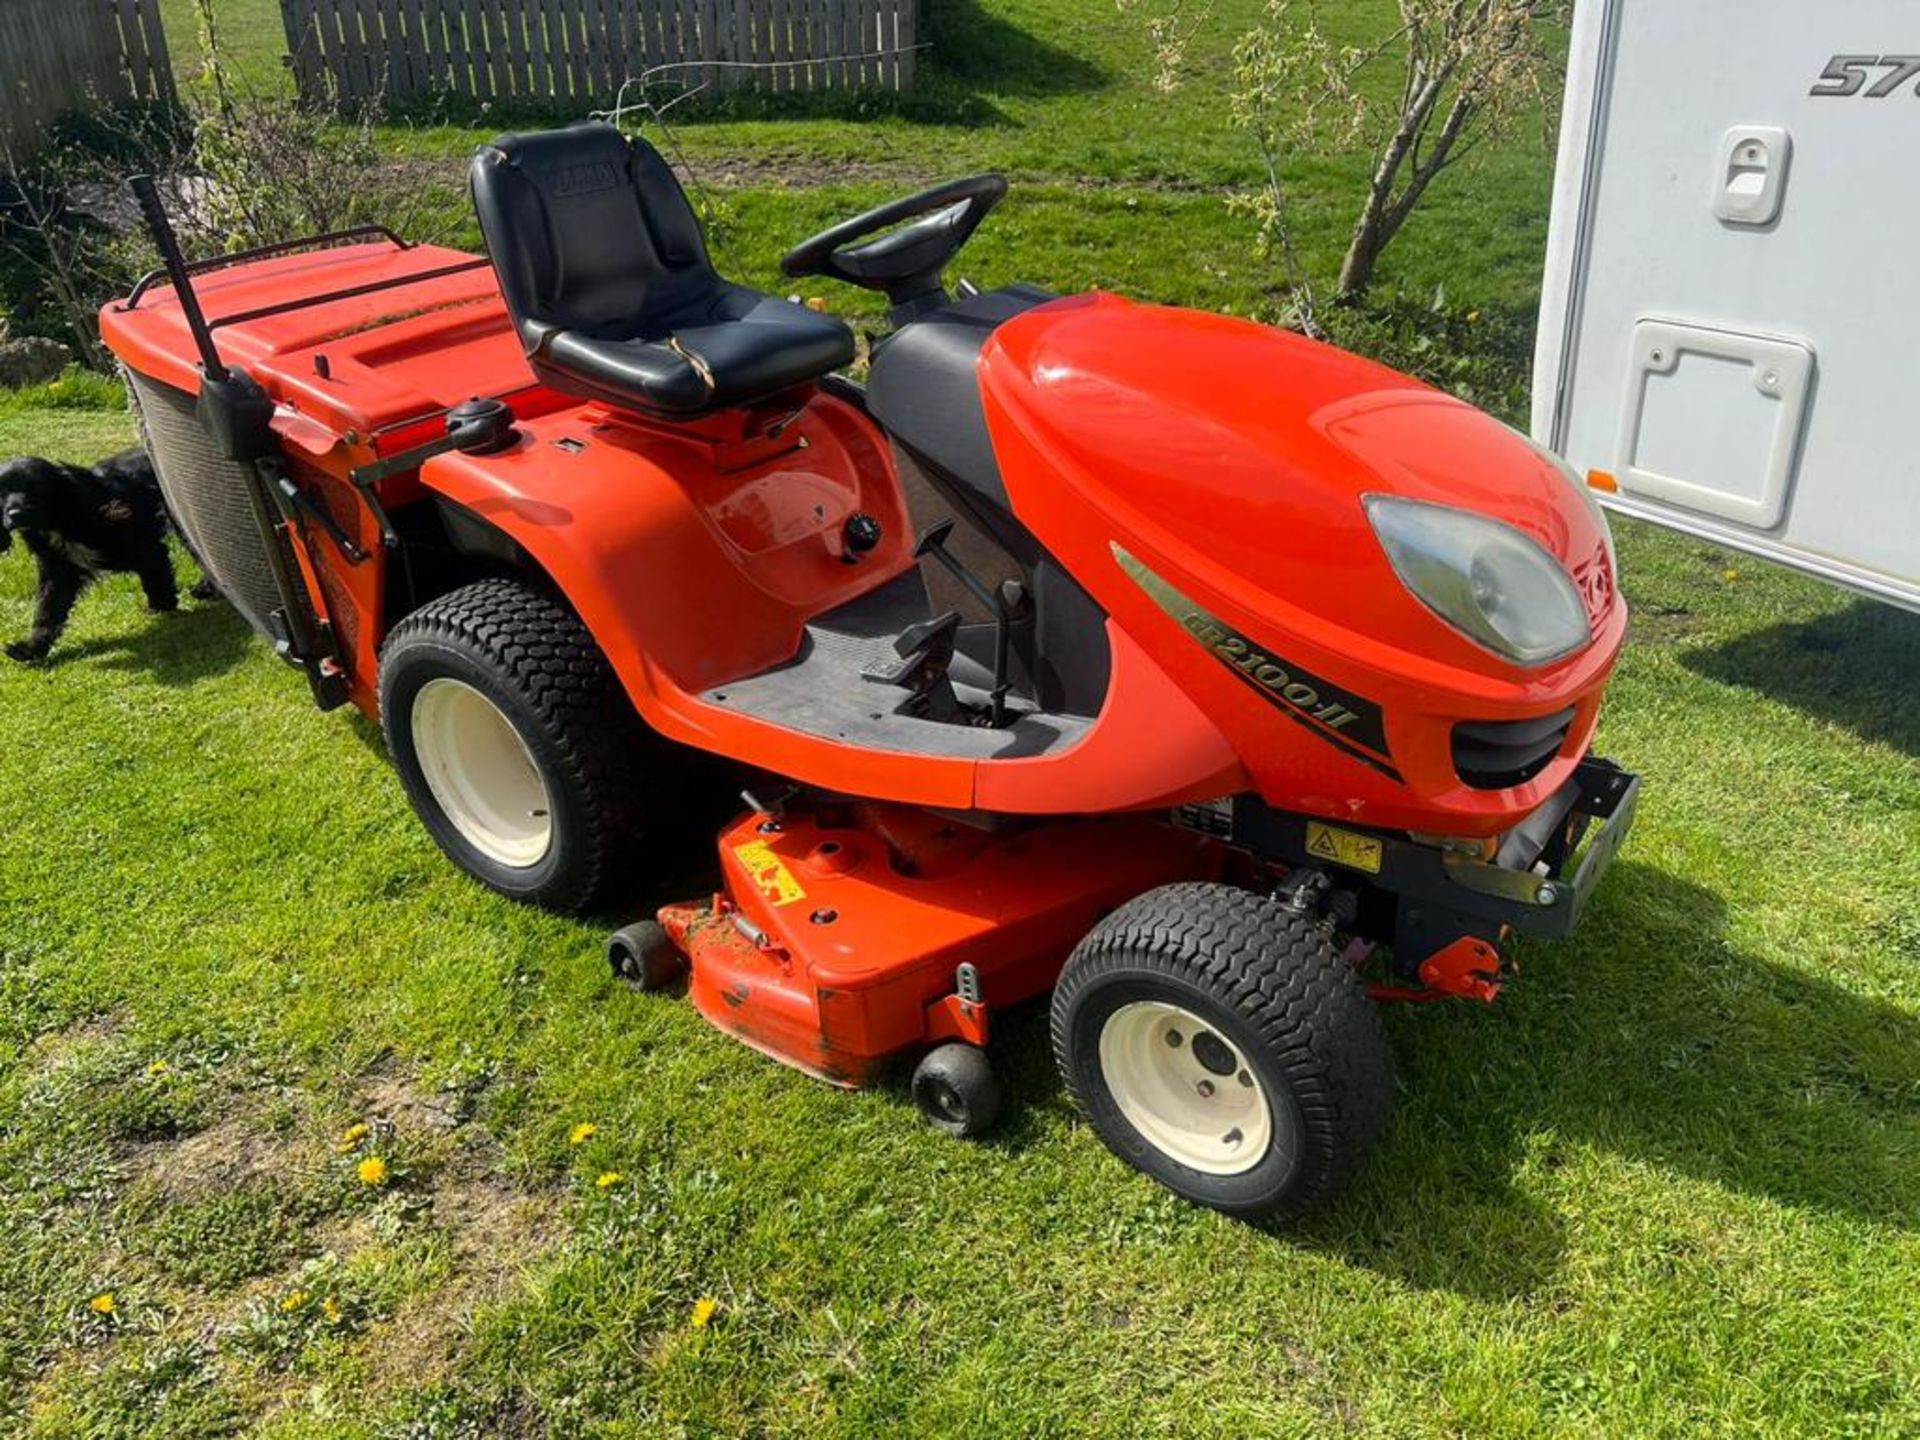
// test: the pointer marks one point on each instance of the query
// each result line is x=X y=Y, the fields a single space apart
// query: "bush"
x=1484 y=356
x=239 y=167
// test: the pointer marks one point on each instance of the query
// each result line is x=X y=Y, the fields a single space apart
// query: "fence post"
x=143 y=41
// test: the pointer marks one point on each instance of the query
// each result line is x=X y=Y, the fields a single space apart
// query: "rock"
x=31 y=360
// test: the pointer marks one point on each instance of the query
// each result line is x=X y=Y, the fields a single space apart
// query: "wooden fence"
x=58 y=56
x=576 y=53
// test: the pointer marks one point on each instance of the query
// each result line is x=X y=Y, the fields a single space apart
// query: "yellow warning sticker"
x=1343 y=847
x=768 y=871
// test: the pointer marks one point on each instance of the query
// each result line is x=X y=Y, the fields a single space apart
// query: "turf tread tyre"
x=611 y=770
x=1298 y=998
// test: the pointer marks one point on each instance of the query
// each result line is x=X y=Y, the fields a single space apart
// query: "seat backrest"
x=589 y=231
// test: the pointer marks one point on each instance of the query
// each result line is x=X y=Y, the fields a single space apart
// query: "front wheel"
x=1219 y=1043
x=518 y=748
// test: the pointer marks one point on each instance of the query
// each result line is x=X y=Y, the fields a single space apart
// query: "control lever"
x=934 y=542
x=154 y=212
x=299 y=500
x=480 y=426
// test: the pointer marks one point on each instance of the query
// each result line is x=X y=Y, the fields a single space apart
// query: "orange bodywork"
x=693 y=554
x=1227 y=458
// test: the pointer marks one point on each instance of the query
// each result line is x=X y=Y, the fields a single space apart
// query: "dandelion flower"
x=608 y=1179
x=582 y=1133
x=294 y=1301
x=352 y=1136
x=1729 y=575
x=103 y=1303
x=158 y=1067
x=703 y=1312
x=330 y=1310
x=372 y=1171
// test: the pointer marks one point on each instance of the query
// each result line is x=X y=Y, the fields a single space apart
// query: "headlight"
x=1484 y=578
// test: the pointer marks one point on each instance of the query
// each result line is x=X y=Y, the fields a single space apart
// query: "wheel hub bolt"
x=1173 y=1038
x=1206 y=1089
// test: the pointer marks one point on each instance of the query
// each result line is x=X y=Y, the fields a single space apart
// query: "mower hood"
x=1234 y=460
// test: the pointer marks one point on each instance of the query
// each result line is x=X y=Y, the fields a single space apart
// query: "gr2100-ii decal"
x=1349 y=722
x=1847 y=75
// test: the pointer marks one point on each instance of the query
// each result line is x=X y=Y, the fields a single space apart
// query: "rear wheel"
x=518 y=748
x=1219 y=1043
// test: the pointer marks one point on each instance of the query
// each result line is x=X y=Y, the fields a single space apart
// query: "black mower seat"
x=606 y=275
x=925 y=385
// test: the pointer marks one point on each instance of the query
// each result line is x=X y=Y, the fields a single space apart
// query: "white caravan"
x=1730 y=325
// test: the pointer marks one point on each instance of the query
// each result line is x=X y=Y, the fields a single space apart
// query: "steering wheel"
x=904 y=263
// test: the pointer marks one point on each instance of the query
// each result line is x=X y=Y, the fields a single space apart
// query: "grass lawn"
x=1668 y=1185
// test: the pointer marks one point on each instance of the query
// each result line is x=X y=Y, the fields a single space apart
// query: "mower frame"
x=901 y=890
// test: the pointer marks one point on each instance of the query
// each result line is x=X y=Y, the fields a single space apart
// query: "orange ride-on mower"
x=1161 y=660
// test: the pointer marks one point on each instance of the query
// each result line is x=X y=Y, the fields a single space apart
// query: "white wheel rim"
x=1186 y=1088
x=481 y=773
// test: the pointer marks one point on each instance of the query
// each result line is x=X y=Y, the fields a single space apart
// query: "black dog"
x=80 y=524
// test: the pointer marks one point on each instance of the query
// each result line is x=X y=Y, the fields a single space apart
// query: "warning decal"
x=1343 y=847
x=768 y=872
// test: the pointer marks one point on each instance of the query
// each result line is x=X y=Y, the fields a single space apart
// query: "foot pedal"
x=921 y=655
x=1000 y=605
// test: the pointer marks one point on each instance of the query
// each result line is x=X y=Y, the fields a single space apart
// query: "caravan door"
x=1730 y=322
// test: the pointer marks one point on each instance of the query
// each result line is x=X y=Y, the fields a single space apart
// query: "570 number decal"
x=1846 y=74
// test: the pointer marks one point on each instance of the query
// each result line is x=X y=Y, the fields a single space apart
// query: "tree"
x=1468 y=69
x=1471 y=66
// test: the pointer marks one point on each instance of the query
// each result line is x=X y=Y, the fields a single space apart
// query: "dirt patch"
x=57 y=1049
x=451 y=1209
x=754 y=169
x=226 y=1155
x=399 y=1102
x=497 y=1234
x=760 y=170
x=494 y=1232
x=496 y=1229
x=1662 y=625
x=796 y=171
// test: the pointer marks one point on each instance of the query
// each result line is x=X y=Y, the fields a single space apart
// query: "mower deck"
x=841 y=933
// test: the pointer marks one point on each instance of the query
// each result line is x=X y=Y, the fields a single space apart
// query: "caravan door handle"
x=1752 y=174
